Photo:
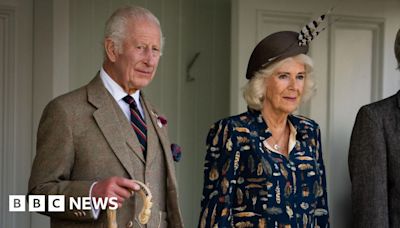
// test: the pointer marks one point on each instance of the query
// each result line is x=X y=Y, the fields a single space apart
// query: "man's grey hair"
x=397 y=49
x=117 y=23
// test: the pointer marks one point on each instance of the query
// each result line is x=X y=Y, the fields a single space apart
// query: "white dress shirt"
x=118 y=93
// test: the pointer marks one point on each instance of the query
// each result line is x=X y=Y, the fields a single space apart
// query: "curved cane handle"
x=144 y=214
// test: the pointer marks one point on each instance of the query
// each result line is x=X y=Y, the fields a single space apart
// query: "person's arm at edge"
x=216 y=205
x=322 y=206
x=54 y=161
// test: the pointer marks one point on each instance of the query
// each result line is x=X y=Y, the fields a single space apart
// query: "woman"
x=264 y=167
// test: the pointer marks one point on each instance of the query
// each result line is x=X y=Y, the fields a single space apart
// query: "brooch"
x=161 y=120
x=176 y=152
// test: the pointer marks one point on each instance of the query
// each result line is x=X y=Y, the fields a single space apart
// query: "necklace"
x=277 y=147
x=276 y=142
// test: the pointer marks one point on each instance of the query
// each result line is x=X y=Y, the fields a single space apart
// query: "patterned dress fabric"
x=246 y=185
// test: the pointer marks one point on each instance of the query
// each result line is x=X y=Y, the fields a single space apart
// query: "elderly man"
x=374 y=162
x=96 y=140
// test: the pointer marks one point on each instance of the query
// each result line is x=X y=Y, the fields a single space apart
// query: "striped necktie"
x=138 y=123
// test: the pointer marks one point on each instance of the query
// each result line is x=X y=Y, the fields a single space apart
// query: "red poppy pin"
x=161 y=120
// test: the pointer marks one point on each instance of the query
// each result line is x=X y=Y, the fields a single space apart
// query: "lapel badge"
x=161 y=120
x=159 y=123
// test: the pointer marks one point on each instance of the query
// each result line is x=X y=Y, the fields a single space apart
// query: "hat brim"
x=272 y=49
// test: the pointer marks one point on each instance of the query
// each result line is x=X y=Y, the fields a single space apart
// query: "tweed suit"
x=374 y=164
x=84 y=136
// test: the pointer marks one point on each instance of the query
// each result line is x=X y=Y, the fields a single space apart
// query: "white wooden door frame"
x=15 y=106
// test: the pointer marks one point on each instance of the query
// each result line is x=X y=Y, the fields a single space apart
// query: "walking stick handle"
x=144 y=214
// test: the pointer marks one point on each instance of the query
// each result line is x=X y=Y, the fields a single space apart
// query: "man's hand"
x=119 y=187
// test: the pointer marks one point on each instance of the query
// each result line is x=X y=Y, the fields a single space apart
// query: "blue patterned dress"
x=247 y=185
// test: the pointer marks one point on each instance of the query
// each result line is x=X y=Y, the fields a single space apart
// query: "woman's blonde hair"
x=255 y=89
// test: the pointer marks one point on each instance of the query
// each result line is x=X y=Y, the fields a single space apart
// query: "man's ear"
x=110 y=49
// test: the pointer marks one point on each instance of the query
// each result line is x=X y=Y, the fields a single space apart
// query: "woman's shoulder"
x=240 y=120
x=303 y=122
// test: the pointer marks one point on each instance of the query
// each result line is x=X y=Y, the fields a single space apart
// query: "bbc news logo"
x=56 y=203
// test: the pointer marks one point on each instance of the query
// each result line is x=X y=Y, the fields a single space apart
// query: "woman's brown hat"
x=281 y=45
x=273 y=48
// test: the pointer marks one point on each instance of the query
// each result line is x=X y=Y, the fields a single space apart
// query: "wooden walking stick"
x=144 y=214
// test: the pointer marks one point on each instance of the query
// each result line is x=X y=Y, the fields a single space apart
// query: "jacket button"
x=129 y=224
